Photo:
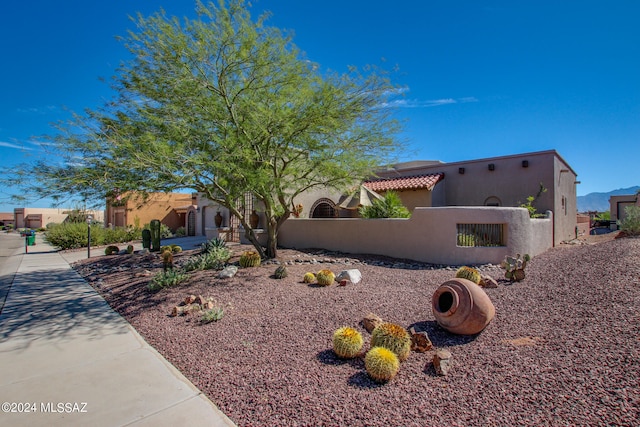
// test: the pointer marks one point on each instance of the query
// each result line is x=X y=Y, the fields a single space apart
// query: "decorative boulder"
x=442 y=361
x=228 y=272
x=420 y=341
x=353 y=275
x=370 y=322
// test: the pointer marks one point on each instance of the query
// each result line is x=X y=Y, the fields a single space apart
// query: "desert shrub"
x=74 y=235
x=630 y=225
x=212 y=315
x=167 y=278
x=389 y=207
x=214 y=259
x=181 y=232
x=118 y=235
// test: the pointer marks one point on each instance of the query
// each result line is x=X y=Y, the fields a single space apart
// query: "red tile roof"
x=406 y=183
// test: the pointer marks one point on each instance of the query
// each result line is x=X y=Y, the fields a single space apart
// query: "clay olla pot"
x=462 y=307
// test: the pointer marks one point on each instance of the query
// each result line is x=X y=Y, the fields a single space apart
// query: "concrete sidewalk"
x=67 y=359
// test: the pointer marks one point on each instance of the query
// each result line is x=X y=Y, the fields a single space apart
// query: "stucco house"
x=39 y=217
x=617 y=205
x=504 y=181
x=172 y=209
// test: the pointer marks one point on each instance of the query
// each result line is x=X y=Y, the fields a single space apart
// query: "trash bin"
x=31 y=240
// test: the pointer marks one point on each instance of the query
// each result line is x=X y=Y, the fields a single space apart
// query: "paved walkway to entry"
x=67 y=359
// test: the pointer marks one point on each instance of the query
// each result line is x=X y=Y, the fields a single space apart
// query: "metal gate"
x=245 y=206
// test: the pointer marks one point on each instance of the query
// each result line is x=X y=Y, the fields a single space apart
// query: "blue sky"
x=484 y=78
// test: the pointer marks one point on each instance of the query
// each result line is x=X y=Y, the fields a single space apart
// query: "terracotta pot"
x=462 y=307
x=254 y=219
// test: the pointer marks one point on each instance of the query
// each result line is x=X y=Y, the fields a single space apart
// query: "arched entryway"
x=324 y=208
x=191 y=223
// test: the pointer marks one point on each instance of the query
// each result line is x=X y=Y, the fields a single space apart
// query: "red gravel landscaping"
x=563 y=349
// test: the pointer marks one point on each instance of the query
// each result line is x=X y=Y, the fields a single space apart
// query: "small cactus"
x=309 y=278
x=325 y=277
x=130 y=249
x=381 y=364
x=111 y=249
x=281 y=272
x=250 y=259
x=393 y=337
x=469 y=273
x=176 y=249
x=167 y=260
x=515 y=266
x=347 y=342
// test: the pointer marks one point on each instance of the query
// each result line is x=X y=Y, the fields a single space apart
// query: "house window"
x=480 y=235
x=324 y=208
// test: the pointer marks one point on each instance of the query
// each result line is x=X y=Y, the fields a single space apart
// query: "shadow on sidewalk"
x=55 y=305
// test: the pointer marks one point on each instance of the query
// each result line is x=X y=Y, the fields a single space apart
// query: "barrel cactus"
x=309 y=278
x=347 y=342
x=393 y=337
x=381 y=364
x=325 y=277
x=250 y=259
x=469 y=273
x=130 y=249
x=111 y=249
x=281 y=272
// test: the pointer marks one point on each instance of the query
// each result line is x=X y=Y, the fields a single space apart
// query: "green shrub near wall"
x=74 y=235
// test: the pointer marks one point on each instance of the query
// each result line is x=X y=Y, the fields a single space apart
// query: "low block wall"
x=430 y=235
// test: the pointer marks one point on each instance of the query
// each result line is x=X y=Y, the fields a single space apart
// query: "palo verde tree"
x=224 y=105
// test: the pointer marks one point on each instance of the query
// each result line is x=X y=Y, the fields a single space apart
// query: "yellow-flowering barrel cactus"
x=381 y=364
x=309 y=278
x=347 y=342
x=393 y=337
x=250 y=259
x=325 y=277
x=468 y=273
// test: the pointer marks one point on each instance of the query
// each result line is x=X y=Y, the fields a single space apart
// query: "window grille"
x=480 y=235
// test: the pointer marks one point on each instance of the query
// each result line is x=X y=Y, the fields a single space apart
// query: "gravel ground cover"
x=563 y=350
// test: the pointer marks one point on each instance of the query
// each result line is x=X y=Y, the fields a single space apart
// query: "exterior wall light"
x=525 y=163
x=492 y=166
x=461 y=171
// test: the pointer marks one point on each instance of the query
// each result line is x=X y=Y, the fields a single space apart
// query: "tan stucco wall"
x=428 y=236
x=617 y=205
x=159 y=206
x=40 y=217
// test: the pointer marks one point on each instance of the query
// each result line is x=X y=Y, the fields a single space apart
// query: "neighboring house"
x=617 y=205
x=39 y=217
x=175 y=210
x=7 y=219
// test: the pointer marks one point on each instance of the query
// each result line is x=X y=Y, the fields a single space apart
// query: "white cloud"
x=38 y=110
x=416 y=103
x=14 y=145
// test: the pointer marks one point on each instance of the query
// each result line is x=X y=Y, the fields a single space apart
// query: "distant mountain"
x=600 y=201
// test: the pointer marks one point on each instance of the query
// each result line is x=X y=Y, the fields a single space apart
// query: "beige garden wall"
x=428 y=236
